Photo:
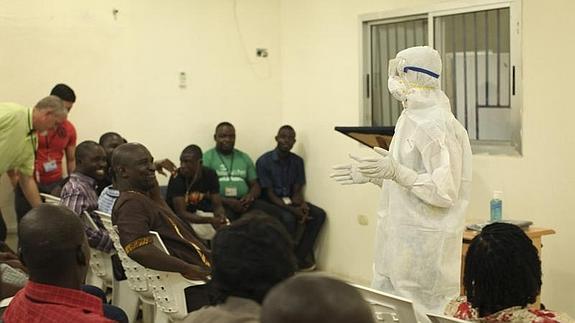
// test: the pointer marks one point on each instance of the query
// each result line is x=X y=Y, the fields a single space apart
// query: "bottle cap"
x=497 y=195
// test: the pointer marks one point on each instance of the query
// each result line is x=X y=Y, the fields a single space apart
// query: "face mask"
x=398 y=88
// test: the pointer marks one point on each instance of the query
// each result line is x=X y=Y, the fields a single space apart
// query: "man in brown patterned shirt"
x=140 y=209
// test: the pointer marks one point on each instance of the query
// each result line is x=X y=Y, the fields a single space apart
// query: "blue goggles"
x=420 y=70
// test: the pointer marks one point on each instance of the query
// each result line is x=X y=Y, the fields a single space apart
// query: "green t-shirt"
x=17 y=141
x=235 y=171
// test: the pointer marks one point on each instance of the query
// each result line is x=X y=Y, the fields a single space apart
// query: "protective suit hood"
x=414 y=78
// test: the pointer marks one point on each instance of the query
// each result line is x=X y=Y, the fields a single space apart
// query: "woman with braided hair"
x=502 y=277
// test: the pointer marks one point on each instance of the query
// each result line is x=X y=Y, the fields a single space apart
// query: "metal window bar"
x=464 y=30
x=375 y=68
x=476 y=77
x=462 y=39
x=454 y=70
x=486 y=59
x=386 y=39
x=498 y=60
x=395 y=103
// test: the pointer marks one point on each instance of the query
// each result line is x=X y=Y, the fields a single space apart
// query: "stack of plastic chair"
x=137 y=283
x=436 y=318
x=387 y=307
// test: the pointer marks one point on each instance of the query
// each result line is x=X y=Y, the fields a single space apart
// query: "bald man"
x=140 y=209
x=54 y=248
x=311 y=298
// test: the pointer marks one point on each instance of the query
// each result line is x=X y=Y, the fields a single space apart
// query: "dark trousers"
x=233 y=215
x=196 y=297
x=110 y=311
x=310 y=229
x=2 y=228
x=21 y=204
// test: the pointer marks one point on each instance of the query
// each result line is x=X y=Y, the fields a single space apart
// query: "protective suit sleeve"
x=437 y=185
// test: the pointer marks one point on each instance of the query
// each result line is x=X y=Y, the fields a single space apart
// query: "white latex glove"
x=378 y=166
x=350 y=174
x=384 y=166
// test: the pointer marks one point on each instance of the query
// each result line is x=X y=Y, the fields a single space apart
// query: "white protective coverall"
x=426 y=183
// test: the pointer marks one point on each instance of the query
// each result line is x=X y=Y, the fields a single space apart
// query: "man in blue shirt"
x=282 y=178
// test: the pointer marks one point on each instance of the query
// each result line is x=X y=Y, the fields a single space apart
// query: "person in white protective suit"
x=426 y=183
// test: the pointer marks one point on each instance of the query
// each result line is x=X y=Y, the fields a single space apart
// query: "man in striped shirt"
x=79 y=193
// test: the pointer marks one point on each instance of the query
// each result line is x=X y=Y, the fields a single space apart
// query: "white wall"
x=320 y=62
x=125 y=70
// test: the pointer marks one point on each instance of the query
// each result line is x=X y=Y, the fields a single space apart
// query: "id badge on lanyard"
x=230 y=191
x=49 y=166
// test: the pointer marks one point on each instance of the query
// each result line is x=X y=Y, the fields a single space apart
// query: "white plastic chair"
x=137 y=283
x=101 y=273
x=436 y=318
x=50 y=199
x=387 y=307
x=6 y=301
x=168 y=287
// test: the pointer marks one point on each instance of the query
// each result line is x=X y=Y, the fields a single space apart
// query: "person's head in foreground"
x=53 y=246
x=502 y=269
x=312 y=298
x=250 y=256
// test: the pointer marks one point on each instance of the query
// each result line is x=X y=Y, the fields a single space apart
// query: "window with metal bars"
x=479 y=47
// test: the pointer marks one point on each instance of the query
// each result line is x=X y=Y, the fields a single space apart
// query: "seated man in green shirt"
x=236 y=172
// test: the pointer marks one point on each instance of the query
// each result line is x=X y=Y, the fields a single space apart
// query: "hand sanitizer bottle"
x=496 y=206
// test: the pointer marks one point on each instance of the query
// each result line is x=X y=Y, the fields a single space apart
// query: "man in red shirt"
x=54 y=248
x=52 y=146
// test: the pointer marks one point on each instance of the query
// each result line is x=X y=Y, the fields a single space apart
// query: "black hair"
x=84 y=148
x=251 y=256
x=50 y=239
x=333 y=300
x=193 y=150
x=286 y=126
x=502 y=269
x=224 y=124
x=64 y=92
x=107 y=135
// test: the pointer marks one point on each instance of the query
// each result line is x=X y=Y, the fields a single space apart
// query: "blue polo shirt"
x=280 y=174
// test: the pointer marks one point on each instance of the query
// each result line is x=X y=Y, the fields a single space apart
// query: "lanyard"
x=31 y=134
x=46 y=141
x=196 y=177
x=228 y=170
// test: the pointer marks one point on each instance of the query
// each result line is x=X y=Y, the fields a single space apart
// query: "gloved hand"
x=386 y=167
x=350 y=174
x=383 y=166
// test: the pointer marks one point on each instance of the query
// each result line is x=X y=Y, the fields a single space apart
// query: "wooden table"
x=534 y=233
